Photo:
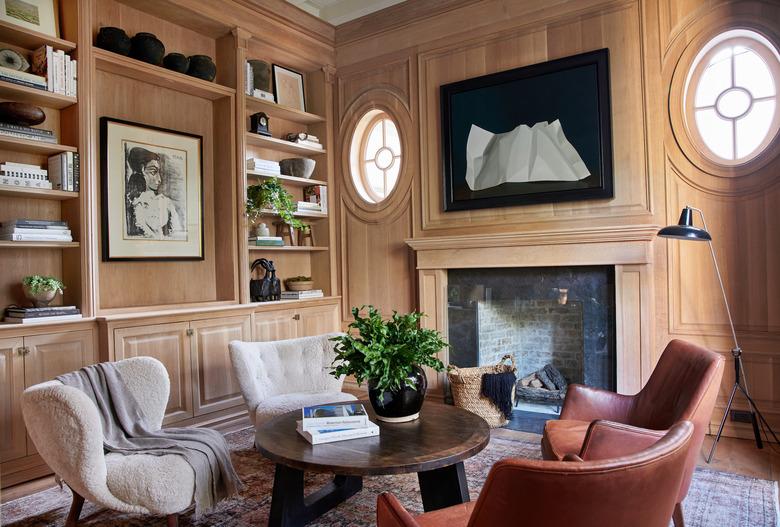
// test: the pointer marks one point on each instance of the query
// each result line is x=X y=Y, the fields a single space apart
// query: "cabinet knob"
x=190 y=332
x=296 y=316
x=23 y=350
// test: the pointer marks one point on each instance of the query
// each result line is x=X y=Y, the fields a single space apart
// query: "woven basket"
x=466 y=386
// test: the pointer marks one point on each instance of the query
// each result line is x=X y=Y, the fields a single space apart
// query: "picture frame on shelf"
x=535 y=134
x=151 y=192
x=36 y=15
x=288 y=88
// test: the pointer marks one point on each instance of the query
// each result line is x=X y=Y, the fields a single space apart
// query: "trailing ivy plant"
x=385 y=351
x=38 y=284
x=270 y=194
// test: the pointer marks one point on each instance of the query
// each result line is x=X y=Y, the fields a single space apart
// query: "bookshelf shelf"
x=254 y=105
x=29 y=39
x=287 y=248
x=17 y=92
x=292 y=180
x=4 y=244
x=39 y=193
x=32 y=146
x=280 y=145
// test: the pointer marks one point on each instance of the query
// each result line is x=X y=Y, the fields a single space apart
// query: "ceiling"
x=339 y=11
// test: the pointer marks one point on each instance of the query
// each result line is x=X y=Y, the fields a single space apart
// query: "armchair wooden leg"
x=75 y=510
x=173 y=520
x=677 y=516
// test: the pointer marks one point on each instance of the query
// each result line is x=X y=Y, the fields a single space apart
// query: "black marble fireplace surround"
x=492 y=312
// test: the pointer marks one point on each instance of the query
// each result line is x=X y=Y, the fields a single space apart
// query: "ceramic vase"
x=147 y=47
x=400 y=406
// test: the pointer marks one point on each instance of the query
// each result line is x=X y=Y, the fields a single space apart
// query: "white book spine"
x=37 y=237
x=69 y=169
x=75 y=77
x=55 y=171
x=318 y=438
x=39 y=232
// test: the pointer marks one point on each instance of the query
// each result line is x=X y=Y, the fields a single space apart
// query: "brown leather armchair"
x=684 y=385
x=638 y=490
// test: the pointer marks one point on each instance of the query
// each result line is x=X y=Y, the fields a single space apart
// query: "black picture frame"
x=106 y=205
x=274 y=68
x=573 y=89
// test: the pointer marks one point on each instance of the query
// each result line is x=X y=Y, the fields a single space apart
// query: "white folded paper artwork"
x=526 y=154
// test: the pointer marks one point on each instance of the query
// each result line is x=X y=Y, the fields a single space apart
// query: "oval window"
x=731 y=97
x=375 y=156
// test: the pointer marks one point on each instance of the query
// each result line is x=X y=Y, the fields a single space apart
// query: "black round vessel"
x=202 y=67
x=176 y=62
x=147 y=47
x=113 y=39
x=400 y=405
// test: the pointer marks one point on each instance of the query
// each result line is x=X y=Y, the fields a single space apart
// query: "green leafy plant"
x=385 y=351
x=299 y=279
x=38 y=284
x=270 y=194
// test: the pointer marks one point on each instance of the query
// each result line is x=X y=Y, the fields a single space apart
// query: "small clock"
x=259 y=124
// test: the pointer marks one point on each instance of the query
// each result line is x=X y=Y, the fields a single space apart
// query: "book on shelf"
x=24 y=230
x=334 y=415
x=59 y=70
x=24 y=175
x=308 y=144
x=317 y=194
x=24 y=182
x=271 y=241
x=300 y=295
x=63 y=171
x=22 y=78
x=25 y=135
x=53 y=318
x=34 y=224
x=26 y=129
x=263 y=95
x=40 y=312
x=36 y=237
x=262 y=164
x=331 y=435
x=308 y=205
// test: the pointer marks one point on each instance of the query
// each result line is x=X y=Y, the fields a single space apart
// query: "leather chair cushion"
x=455 y=516
x=563 y=437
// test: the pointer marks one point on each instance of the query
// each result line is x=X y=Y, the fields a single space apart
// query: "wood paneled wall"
x=404 y=59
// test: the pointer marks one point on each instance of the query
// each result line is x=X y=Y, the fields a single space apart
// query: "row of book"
x=63 y=173
x=33 y=315
x=301 y=295
x=27 y=132
x=311 y=141
x=336 y=422
x=29 y=230
x=267 y=241
x=250 y=89
x=51 y=69
x=316 y=195
x=263 y=165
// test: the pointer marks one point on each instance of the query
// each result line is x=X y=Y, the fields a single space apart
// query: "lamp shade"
x=684 y=230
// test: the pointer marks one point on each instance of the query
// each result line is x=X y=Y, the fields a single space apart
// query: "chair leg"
x=173 y=520
x=75 y=510
x=677 y=516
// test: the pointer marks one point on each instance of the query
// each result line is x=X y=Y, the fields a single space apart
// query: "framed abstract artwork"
x=288 y=88
x=152 y=192
x=536 y=134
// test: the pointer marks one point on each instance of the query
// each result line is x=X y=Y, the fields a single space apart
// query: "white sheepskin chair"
x=64 y=425
x=277 y=377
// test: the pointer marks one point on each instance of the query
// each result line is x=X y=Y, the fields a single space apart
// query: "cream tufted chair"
x=64 y=424
x=277 y=377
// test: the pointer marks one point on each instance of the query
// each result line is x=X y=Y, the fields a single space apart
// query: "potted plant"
x=41 y=289
x=389 y=355
x=270 y=194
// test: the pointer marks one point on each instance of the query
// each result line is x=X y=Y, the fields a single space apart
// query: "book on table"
x=331 y=435
x=329 y=416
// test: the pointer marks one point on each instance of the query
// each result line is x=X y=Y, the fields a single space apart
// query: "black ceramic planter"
x=113 y=39
x=176 y=62
x=401 y=405
x=147 y=47
x=202 y=67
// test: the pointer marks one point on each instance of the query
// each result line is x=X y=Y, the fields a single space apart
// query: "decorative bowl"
x=21 y=113
x=300 y=286
x=41 y=298
x=301 y=167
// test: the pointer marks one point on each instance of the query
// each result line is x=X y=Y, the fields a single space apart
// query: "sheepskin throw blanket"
x=126 y=430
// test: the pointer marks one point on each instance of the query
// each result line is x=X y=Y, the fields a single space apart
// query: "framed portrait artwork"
x=288 y=88
x=38 y=15
x=535 y=134
x=152 y=192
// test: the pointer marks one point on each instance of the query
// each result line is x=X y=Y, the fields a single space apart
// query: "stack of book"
x=31 y=315
x=301 y=295
x=23 y=78
x=58 y=68
x=267 y=241
x=64 y=171
x=317 y=194
x=24 y=175
x=308 y=206
x=263 y=165
x=27 y=132
x=337 y=422
x=26 y=230
x=311 y=141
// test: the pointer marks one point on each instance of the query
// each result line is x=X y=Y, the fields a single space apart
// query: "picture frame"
x=151 y=192
x=37 y=15
x=288 y=87
x=535 y=134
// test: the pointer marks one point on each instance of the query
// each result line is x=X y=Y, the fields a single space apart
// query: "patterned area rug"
x=715 y=498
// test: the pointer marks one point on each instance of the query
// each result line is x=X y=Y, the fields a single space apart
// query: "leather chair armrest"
x=609 y=440
x=584 y=403
x=390 y=512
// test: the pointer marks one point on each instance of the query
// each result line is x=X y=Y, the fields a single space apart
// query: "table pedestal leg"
x=443 y=487
x=289 y=507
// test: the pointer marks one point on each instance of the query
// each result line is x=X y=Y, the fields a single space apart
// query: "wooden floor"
x=733 y=455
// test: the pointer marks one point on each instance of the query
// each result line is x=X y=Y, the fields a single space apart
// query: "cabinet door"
x=319 y=320
x=12 y=436
x=214 y=385
x=169 y=344
x=275 y=325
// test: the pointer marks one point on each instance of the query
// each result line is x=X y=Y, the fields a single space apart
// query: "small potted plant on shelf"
x=389 y=355
x=271 y=195
x=299 y=283
x=41 y=290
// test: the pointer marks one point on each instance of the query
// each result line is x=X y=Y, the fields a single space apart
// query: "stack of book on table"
x=300 y=295
x=27 y=132
x=24 y=175
x=32 y=315
x=263 y=165
x=337 y=422
x=268 y=241
x=26 y=230
x=311 y=141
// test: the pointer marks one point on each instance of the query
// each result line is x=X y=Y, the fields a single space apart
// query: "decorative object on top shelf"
x=202 y=67
x=299 y=283
x=288 y=88
x=41 y=290
x=389 y=355
x=152 y=181
x=267 y=289
x=302 y=167
x=304 y=139
x=176 y=62
x=261 y=76
x=13 y=60
x=258 y=124
x=270 y=194
x=37 y=15
x=535 y=134
x=147 y=47
x=21 y=113
x=113 y=39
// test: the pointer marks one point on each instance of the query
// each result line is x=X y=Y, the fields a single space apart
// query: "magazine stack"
x=26 y=230
x=33 y=315
x=335 y=422
x=263 y=165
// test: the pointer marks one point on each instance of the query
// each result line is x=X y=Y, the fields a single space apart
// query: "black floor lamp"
x=684 y=230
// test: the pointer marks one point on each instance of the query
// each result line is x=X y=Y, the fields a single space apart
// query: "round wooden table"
x=434 y=446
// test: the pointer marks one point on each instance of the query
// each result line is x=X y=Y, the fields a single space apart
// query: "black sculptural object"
x=267 y=289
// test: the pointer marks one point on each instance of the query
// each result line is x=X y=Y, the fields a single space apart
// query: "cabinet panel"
x=214 y=384
x=169 y=344
x=318 y=320
x=276 y=325
x=12 y=437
